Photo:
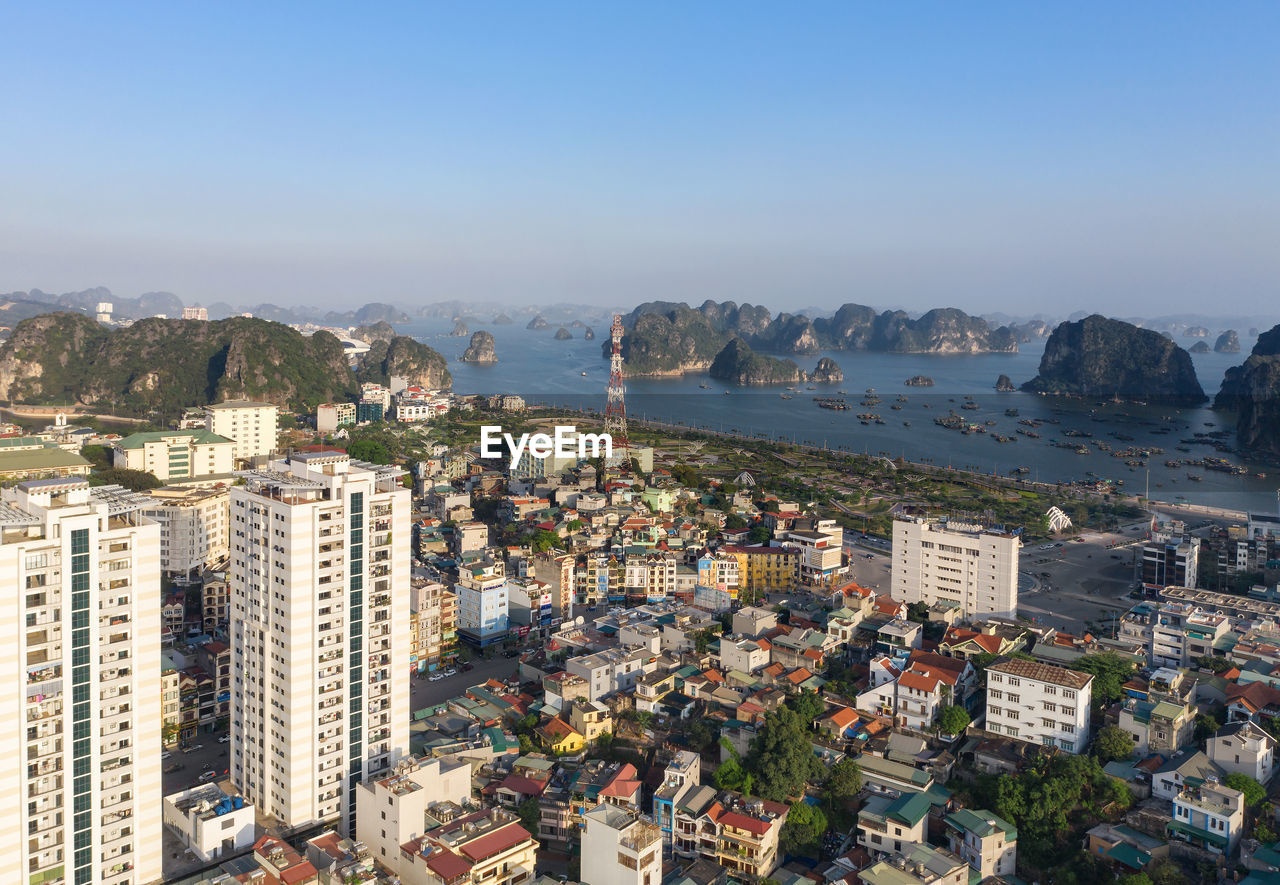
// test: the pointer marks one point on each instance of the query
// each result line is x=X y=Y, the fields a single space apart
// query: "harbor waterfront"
x=959 y=422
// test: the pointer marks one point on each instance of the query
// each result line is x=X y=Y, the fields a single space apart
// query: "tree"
x=782 y=758
x=370 y=450
x=1213 y=663
x=1254 y=792
x=729 y=775
x=1264 y=833
x=1207 y=725
x=530 y=813
x=843 y=784
x=918 y=612
x=169 y=733
x=133 y=480
x=953 y=719
x=803 y=831
x=544 y=540
x=1112 y=743
x=1110 y=672
x=735 y=523
x=808 y=705
x=759 y=534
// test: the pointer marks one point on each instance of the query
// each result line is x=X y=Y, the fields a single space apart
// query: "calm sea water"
x=545 y=371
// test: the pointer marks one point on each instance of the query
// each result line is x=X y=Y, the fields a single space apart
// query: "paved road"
x=424 y=693
x=211 y=755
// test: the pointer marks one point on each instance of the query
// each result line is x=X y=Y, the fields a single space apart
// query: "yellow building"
x=762 y=569
x=558 y=736
x=590 y=719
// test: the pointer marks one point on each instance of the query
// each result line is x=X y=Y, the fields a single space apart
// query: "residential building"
x=30 y=457
x=392 y=809
x=486 y=846
x=591 y=719
x=1244 y=747
x=1210 y=816
x=82 y=685
x=1161 y=726
x=195 y=313
x=970 y=565
x=989 y=844
x=482 y=608
x=821 y=551
x=747 y=655
x=609 y=671
x=319 y=633
x=193 y=526
x=176 y=454
x=682 y=775
x=920 y=864
x=886 y=825
x=620 y=848
x=738 y=832
x=763 y=569
x=209 y=822
x=331 y=416
x=719 y=571
x=170 y=706
x=529 y=603
x=1039 y=703
x=250 y=424
x=1187 y=768
x=433 y=625
x=1170 y=559
x=753 y=621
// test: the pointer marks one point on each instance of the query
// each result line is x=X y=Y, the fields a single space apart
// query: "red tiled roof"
x=918 y=681
x=447 y=865
x=798 y=675
x=959 y=635
x=525 y=786
x=1255 y=696
x=299 y=873
x=496 y=842
x=843 y=717
x=623 y=784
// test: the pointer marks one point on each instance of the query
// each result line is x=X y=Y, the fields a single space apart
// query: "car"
x=166 y=755
x=466 y=667
x=176 y=766
x=224 y=739
x=208 y=775
x=1059 y=544
x=867 y=556
x=451 y=672
x=193 y=748
x=435 y=677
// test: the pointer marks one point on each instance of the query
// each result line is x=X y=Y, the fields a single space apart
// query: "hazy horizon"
x=1010 y=159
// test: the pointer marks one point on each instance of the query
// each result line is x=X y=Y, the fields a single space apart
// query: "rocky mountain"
x=404 y=357
x=460 y=330
x=827 y=371
x=537 y=323
x=1199 y=347
x=1228 y=342
x=738 y=364
x=673 y=337
x=379 y=331
x=501 y=320
x=481 y=349
x=1004 y=384
x=563 y=334
x=146 y=305
x=1101 y=357
x=1196 y=332
x=156 y=367
x=1252 y=391
x=372 y=312
x=589 y=334
x=1030 y=331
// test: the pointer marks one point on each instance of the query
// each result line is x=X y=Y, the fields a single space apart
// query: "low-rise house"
x=989 y=844
x=1244 y=747
x=1210 y=816
x=209 y=822
x=886 y=824
x=1157 y=727
x=920 y=864
x=591 y=719
x=391 y=810
x=620 y=847
x=486 y=846
x=1182 y=770
x=559 y=737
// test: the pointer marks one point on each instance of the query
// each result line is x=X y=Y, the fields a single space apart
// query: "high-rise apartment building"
x=319 y=575
x=1170 y=560
x=250 y=424
x=483 y=615
x=972 y=566
x=81 y=672
x=193 y=526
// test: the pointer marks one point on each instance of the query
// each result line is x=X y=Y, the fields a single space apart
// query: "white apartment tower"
x=81 y=667
x=320 y=638
x=250 y=424
x=1039 y=704
x=969 y=565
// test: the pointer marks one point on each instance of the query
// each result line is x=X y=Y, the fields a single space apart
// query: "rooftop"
x=1042 y=673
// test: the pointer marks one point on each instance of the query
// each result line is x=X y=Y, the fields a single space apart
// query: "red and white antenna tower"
x=615 y=408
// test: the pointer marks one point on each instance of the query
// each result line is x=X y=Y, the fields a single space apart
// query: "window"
x=1014 y=680
x=995 y=694
x=994 y=711
x=1013 y=698
x=1068 y=693
x=1050 y=708
x=1069 y=711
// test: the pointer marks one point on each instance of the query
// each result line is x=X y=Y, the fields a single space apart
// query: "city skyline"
x=1106 y=159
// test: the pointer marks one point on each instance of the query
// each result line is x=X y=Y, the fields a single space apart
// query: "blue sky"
x=1017 y=157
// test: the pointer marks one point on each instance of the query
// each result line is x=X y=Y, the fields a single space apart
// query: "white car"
x=166 y=754
x=224 y=739
x=435 y=677
x=208 y=775
x=193 y=748
x=451 y=672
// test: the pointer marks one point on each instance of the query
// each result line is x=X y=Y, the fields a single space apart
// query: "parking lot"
x=1081 y=584
x=425 y=693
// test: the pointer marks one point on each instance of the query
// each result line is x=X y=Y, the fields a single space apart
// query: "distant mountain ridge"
x=666 y=337
x=157 y=367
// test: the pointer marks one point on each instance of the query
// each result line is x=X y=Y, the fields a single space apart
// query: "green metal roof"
x=198 y=437
x=981 y=823
x=1131 y=857
x=52 y=458
x=910 y=808
x=1197 y=833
